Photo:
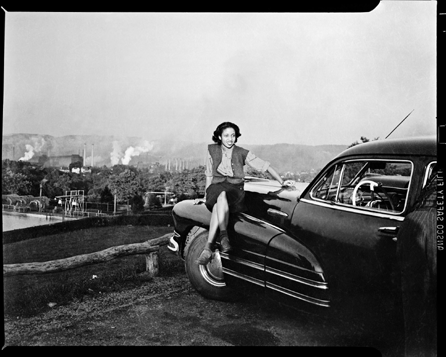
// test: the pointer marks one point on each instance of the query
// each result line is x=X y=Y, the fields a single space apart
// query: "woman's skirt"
x=235 y=194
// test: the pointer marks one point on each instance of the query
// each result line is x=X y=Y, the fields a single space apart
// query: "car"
x=318 y=243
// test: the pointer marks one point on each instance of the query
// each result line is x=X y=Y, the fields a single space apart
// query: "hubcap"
x=213 y=271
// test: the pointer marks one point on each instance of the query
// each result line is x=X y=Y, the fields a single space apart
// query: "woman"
x=225 y=183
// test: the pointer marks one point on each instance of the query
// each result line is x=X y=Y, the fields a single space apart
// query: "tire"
x=208 y=279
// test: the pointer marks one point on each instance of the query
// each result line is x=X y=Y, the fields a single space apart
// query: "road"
x=167 y=311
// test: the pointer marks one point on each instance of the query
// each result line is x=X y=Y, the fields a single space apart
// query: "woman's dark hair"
x=219 y=131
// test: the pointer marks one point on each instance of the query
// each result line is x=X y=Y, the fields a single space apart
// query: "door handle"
x=274 y=212
x=389 y=230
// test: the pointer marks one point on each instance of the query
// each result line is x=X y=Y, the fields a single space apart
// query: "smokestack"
x=13 y=152
x=85 y=155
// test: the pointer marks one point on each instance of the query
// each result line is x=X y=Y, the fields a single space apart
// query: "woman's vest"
x=238 y=161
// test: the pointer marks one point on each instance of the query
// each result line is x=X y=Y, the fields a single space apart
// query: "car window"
x=326 y=189
x=431 y=170
x=373 y=185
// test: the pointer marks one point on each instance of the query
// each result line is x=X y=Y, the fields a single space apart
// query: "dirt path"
x=167 y=311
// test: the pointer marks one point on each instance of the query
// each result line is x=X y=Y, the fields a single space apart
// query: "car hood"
x=265 y=186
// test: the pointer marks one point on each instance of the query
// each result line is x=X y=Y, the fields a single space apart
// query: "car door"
x=350 y=217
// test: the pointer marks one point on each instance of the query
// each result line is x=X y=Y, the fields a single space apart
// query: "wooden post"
x=152 y=263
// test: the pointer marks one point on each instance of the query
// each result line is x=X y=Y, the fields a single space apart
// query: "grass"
x=28 y=295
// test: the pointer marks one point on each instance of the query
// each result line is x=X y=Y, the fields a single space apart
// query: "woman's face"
x=228 y=137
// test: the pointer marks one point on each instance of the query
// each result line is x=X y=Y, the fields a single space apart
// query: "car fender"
x=187 y=214
x=292 y=270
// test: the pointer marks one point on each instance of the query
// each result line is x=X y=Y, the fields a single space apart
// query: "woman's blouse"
x=225 y=167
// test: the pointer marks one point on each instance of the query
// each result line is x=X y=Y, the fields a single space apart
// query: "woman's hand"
x=288 y=183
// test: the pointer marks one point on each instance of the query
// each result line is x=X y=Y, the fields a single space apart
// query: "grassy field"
x=30 y=294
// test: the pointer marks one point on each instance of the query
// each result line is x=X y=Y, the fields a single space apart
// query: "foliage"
x=15 y=183
x=362 y=140
x=254 y=173
x=137 y=203
x=190 y=183
x=154 y=202
x=57 y=184
x=102 y=183
x=156 y=182
x=126 y=184
x=106 y=195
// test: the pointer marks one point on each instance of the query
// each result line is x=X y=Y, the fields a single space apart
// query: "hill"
x=111 y=150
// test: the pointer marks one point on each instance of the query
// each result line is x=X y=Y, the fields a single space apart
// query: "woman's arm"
x=208 y=182
x=208 y=172
x=276 y=176
x=262 y=166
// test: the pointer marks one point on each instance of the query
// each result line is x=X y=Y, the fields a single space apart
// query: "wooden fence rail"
x=149 y=249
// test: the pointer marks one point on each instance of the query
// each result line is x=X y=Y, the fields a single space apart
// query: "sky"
x=298 y=78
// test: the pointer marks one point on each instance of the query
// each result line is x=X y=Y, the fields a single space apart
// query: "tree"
x=125 y=185
x=98 y=183
x=362 y=140
x=155 y=183
x=190 y=183
x=107 y=195
x=57 y=184
x=154 y=201
x=17 y=183
x=137 y=203
x=254 y=173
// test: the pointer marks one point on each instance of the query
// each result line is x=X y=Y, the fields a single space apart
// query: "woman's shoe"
x=224 y=245
x=205 y=257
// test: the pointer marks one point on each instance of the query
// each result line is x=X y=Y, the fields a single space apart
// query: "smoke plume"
x=38 y=143
x=28 y=154
x=131 y=151
x=116 y=153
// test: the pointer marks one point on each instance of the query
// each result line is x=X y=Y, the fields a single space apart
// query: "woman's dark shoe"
x=224 y=245
x=205 y=257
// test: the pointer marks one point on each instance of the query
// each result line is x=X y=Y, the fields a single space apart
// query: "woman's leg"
x=219 y=219
x=223 y=219
x=213 y=226
x=222 y=211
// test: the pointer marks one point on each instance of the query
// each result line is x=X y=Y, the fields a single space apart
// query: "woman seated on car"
x=224 y=192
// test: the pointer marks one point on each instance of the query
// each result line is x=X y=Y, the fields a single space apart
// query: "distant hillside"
x=297 y=158
x=111 y=150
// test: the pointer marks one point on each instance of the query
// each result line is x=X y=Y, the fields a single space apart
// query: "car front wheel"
x=208 y=279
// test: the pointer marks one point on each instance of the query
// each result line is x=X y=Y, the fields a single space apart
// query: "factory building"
x=57 y=161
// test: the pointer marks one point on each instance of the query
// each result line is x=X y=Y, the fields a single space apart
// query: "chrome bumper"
x=173 y=245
